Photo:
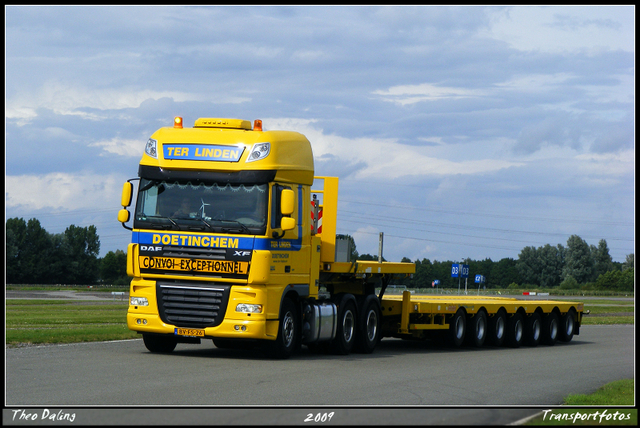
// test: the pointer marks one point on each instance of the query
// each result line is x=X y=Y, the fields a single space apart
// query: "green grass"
x=604 y=312
x=64 y=321
x=618 y=393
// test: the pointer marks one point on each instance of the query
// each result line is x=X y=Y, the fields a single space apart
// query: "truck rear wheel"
x=477 y=329
x=550 y=327
x=457 y=328
x=567 y=324
x=346 y=329
x=532 y=330
x=288 y=332
x=368 y=326
x=515 y=331
x=159 y=343
x=497 y=328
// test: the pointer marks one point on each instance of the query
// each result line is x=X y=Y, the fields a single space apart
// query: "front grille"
x=192 y=305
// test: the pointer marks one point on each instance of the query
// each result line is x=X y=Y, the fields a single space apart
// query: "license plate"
x=189 y=332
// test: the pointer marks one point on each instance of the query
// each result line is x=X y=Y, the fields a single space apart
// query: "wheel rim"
x=348 y=326
x=569 y=326
x=372 y=325
x=459 y=328
x=536 y=330
x=518 y=330
x=481 y=329
x=500 y=328
x=553 y=329
x=288 y=329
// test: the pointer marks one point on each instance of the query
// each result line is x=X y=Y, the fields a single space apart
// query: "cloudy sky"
x=457 y=131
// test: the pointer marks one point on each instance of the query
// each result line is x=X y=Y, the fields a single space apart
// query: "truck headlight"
x=259 y=151
x=249 y=309
x=151 y=148
x=139 y=301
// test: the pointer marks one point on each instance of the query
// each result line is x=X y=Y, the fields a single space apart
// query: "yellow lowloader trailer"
x=234 y=240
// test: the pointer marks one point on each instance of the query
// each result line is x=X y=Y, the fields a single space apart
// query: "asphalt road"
x=400 y=383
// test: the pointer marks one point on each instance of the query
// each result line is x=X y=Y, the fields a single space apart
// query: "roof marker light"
x=177 y=122
x=257 y=125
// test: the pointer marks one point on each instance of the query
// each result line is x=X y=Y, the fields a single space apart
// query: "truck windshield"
x=198 y=206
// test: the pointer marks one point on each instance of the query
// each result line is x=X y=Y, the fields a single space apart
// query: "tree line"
x=35 y=256
x=576 y=265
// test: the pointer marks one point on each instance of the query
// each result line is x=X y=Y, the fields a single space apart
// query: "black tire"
x=550 y=329
x=457 y=328
x=477 y=329
x=515 y=331
x=497 y=329
x=368 y=333
x=346 y=330
x=533 y=330
x=288 y=332
x=567 y=326
x=157 y=343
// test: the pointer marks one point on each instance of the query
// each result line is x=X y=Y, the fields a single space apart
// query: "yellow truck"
x=234 y=240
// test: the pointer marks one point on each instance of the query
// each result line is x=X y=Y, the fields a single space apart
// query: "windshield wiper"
x=160 y=226
x=242 y=226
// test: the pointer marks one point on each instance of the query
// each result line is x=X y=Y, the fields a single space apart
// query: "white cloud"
x=411 y=94
x=618 y=164
x=533 y=83
x=122 y=147
x=61 y=191
x=66 y=99
x=560 y=29
x=385 y=157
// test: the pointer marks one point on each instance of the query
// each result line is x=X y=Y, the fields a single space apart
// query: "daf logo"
x=149 y=248
x=242 y=253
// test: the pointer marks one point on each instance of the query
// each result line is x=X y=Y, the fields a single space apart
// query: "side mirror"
x=127 y=191
x=287 y=223
x=287 y=201
x=123 y=215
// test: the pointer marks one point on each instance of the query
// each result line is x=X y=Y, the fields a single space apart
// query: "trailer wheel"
x=477 y=329
x=346 y=329
x=497 y=328
x=457 y=328
x=532 y=330
x=159 y=343
x=288 y=332
x=567 y=325
x=368 y=326
x=550 y=327
x=515 y=331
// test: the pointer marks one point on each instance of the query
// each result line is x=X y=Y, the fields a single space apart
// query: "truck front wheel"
x=288 y=332
x=158 y=343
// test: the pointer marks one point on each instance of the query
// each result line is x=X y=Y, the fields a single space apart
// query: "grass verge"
x=64 y=321
x=618 y=393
